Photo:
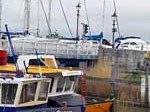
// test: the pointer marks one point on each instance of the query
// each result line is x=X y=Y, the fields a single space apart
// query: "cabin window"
x=60 y=84
x=133 y=43
x=51 y=86
x=68 y=84
x=28 y=92
x=8 y=93
x=125 y=44
x=43 y=91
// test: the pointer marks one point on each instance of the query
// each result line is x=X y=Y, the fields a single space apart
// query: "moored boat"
x=40 y=84
x=132 y=43
x=99 y=107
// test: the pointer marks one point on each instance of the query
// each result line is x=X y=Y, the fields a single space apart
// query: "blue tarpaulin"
x=94 y=37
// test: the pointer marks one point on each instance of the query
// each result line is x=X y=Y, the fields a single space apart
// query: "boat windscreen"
x=8 y=93
x=43 y=94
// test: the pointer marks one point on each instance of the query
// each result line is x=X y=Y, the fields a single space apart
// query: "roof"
x=49 y=66
x=34 y=69
x=10 y=78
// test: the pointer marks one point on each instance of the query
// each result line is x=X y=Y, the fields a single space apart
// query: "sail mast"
x=38 y=18
x=49 y=12
x=27 y=15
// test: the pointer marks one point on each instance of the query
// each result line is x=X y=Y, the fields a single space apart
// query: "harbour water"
x=123 y=107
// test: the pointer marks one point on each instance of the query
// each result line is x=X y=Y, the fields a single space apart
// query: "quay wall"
x=124 y=91
x=107 y=74
x=113 y=63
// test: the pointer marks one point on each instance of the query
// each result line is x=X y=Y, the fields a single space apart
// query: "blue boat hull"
x=39 y=108
x=19 y=109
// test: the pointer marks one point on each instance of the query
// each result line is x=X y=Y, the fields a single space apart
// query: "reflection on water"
x=123 y=107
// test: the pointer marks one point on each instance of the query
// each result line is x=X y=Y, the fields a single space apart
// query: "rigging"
x=46 y=17
x=65 y=18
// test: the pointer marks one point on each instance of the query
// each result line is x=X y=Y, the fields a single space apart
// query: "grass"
x=134 y=76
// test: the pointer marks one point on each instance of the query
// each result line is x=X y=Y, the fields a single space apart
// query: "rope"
x=65 y=18
x=46 y=16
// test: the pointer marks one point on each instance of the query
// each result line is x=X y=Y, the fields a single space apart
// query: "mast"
x=49 y=12
x=38 y=18
x=78 y=14
x=114 y=16
x=27 y=15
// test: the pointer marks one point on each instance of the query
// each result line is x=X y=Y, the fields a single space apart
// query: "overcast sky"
x=133 y=16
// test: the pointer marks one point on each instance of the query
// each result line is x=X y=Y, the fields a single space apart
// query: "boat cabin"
x=16 y=94
x=62 y=85
x=132 y=43
x=63 y=81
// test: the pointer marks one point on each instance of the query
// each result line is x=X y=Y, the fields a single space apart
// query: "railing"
x=60 y=50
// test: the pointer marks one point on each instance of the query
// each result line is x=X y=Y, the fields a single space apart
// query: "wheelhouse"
x=63 y=85
x=23 y=92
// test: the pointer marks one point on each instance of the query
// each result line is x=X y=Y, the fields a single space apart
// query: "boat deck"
x=59 y=50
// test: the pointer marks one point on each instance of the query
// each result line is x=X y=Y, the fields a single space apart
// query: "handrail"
x=28 y=47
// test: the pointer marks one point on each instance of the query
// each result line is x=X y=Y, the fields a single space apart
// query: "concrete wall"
x=115 y=62
x=111 y=65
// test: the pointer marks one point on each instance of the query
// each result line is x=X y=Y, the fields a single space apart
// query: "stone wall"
x=115 y=62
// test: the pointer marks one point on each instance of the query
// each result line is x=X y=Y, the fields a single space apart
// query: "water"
x=118 y=107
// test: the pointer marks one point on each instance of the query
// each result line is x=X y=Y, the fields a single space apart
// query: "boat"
x=39 y=85
x=21 y=93
x=132 y=43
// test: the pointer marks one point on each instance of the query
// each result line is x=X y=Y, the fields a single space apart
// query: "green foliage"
x=134 y=76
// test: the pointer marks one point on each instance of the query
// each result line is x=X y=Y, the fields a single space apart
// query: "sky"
x=133 y=17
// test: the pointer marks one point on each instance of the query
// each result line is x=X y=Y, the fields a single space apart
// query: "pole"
x=114 y=29
x=38 y=18
x=49 y=12
x=27 y=15
x=78 y=14
x=146 y=86
x=49 y=17
x=12 y=50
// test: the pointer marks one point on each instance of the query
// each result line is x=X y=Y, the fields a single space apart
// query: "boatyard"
x=95 y=58
x=113 y=74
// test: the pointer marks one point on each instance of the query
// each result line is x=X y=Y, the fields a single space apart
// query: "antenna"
x=12 y=49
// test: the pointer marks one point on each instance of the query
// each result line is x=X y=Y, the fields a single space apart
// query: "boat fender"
x=70 y=68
